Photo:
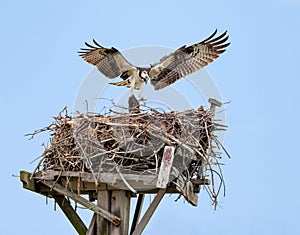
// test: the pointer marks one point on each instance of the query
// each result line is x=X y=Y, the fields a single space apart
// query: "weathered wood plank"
x=77 y=198
x=70 y=180
x=200 y=181
x=150 y=211
x=71 y=214
x=103 y=201
x=138 y=181
x=120 y=206
x=27 y=180
x=165 y=167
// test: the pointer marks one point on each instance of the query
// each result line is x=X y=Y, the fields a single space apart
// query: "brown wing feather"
x=109 y=61
x=187 y=60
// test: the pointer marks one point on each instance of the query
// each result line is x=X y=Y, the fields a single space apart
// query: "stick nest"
x=134 y=142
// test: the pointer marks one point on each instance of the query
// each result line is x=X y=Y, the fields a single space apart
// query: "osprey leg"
x=141 y=92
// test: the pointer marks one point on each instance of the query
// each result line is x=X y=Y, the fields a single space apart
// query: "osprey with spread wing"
x=180 y=63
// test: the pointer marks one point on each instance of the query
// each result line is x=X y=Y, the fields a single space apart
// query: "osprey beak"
x=145 y=80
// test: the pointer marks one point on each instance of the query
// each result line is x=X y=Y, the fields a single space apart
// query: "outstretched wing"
x=109 y=61
x=187 y=60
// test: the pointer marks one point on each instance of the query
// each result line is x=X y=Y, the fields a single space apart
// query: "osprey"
x=170 y=68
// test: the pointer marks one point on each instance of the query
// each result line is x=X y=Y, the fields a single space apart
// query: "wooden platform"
x=83 y=182
x=71 y=185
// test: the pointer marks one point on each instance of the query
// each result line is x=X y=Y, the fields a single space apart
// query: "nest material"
x=132 y=142
x=135 y=140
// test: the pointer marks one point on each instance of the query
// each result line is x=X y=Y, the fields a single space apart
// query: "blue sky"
x=259 y=74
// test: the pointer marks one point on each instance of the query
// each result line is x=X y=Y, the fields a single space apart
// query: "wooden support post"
x=120 y=206
x=103 y=202
x=137 y=212
x=71 y=214
x=148 y=214
x=118 y=203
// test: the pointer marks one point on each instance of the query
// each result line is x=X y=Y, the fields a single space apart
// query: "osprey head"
x=144 y=74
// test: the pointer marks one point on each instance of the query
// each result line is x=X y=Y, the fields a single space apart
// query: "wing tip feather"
x=96 y=43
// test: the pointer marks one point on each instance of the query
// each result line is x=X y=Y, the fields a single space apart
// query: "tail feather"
x=122 y=83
